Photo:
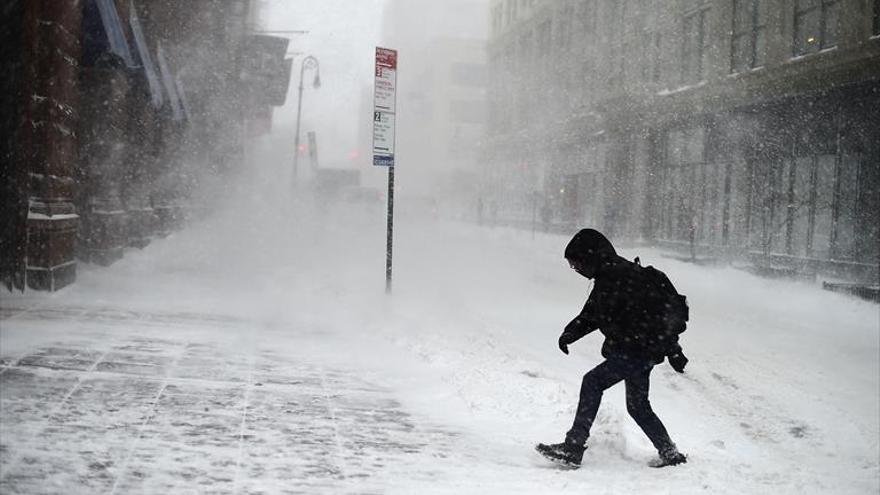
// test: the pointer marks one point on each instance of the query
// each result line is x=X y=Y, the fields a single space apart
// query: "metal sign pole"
x=390 y=233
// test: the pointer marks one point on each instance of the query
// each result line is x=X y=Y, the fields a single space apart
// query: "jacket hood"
x=590 y=245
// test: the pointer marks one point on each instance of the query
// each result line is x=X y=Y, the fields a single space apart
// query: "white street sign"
x=384 y=106
x=383 y=133
x=386 y=82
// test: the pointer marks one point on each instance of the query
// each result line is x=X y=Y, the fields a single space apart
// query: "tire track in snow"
x=135 y=443
x=331 y=410
x=247 y=395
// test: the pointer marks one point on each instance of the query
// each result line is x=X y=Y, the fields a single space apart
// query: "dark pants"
x=636 y=375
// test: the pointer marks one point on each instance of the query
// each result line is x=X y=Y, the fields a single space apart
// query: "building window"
x=645 y=56
x=588 y=16
x=681 y=182
x=510 y=61
x=816 y=25
x=749 y=40
x=607 y=17
x=497 y=18
x=658 y=57
x=526 y=54
x=468 y=111
x=876 y=29
x=796 y=211
x=545 y=34
x=468 y=75
x=525 y=97
x=694 y=44
x=563 y=26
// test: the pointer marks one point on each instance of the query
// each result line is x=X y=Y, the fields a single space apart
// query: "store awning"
x=146 y=60
x=184 y=100
x=266 y=71
x=170 y=87
x=103 y=34
x=278 y=90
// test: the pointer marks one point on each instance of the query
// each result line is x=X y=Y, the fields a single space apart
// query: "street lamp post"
x=309 y=62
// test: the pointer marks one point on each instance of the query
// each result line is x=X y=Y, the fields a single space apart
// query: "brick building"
x=741 y=129
x=112 y=109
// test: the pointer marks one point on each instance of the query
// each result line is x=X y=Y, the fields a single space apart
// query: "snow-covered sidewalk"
x=259 y=354
x=126 y=402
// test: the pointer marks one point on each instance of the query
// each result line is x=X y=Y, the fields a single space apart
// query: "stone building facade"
x=739 y=129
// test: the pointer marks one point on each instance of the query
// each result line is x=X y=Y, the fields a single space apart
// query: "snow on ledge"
x=54 y=267
x=680 y=89
x=61 y=216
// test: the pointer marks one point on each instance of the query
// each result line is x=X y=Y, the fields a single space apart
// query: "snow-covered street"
x=193 y=366
x=199 y=201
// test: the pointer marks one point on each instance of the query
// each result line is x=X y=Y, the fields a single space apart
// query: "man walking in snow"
x=623 y=306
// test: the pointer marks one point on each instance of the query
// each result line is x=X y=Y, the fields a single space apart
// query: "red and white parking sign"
x=384 y=106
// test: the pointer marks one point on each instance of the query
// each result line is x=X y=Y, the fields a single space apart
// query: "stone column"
x=140 y=165
x=167 y=195
x=47 y=139
x=13 y=176
x=103 y=152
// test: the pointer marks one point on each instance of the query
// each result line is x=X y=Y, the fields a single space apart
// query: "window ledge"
x=752 y=70
x=798 y=58
x=680 y=89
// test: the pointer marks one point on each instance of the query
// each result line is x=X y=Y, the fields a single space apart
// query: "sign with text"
x=384 y=106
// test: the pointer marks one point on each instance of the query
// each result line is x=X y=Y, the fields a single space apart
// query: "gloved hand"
x=565 y=339
x=678 y=361
x=572 y=332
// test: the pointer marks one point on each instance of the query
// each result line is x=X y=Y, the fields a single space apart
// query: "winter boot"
x=670 y=457
x=566 y=453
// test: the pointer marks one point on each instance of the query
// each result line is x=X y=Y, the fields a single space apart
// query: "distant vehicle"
x=361 y=195
x=420 y=206
x=331 y=181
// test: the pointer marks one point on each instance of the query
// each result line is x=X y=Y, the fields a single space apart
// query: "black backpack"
x=667 y=308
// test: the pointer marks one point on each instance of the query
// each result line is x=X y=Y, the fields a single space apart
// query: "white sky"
x=342 y=35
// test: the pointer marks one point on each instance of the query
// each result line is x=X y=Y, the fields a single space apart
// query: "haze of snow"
x=782 y=394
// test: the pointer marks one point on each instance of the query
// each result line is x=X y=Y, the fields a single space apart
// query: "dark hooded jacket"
x=615 y=305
